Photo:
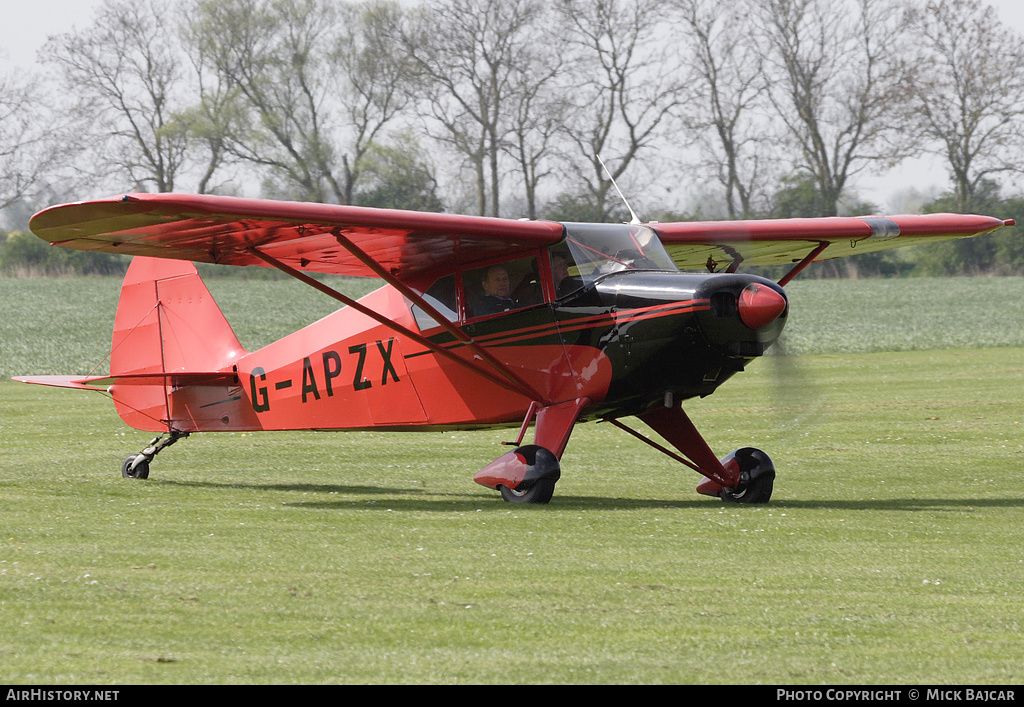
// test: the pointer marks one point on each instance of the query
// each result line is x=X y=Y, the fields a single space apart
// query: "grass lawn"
x=889 y=554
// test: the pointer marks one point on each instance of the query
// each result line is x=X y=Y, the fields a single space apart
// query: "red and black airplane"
x=481 y=323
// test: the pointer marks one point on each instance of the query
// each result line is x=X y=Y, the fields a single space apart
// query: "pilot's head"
x=496 y=281
x=559 y=268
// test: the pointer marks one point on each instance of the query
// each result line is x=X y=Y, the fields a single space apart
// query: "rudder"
x=167 y=322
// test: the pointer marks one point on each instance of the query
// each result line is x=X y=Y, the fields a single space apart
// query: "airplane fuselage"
x=625 y=342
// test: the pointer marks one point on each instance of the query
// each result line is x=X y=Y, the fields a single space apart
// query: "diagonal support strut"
x=506 y=380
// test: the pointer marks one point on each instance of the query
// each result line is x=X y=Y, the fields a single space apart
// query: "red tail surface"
x=170 y=337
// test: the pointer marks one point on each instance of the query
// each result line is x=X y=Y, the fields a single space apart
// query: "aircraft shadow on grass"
x=410 y=499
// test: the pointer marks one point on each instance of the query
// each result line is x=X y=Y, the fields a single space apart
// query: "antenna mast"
x=634 y=220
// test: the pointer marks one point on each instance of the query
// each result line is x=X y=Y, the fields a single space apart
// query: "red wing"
x=218 y=229
x=785 y=241
x=215 y=229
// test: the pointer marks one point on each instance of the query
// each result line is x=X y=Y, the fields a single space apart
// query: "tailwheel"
x=539 y=491
x=136 y=466
x=757 y=477
x=131 y=469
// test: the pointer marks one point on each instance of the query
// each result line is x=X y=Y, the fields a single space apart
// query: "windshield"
x=600 y=248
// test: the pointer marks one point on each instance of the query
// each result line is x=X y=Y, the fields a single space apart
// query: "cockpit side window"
x=502 y=287
x=491 y=289
x=565 y=274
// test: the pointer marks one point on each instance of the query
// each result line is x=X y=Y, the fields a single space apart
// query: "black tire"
x=540 y=491
x=758 y=490
x=758 y=478
x=140 y=472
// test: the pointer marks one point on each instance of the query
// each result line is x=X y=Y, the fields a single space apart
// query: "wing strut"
x=664 y=450
x=798 y=268
x=507 y=380
x=437 y=316
x=675 y=426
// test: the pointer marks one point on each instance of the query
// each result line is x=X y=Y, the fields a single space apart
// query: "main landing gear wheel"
x=757 y=477
x=540 y=491
x=131 y=470
x=525 y=475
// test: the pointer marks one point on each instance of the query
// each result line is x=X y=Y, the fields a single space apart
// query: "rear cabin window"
x=442 y=297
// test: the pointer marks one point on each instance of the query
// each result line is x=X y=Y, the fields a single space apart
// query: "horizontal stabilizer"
x=100 y=383
x=79 y=382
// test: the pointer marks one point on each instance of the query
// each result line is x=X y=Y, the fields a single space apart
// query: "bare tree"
x=726 y=93
x=835 y=80
x=271 y=53
x=968 y=92
x=471 y=57
x=376 y=76
x=537 y=112
x=531 y=140
x=625 y=87
x=125 y=74
x=316 y=83
x=30 y=148
x=216 y=117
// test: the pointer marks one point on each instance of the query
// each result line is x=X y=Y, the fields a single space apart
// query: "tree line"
x=528 y=109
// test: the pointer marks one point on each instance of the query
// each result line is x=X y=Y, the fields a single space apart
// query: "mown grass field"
x=890 y=553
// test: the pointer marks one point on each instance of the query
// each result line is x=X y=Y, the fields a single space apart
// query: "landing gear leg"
x=528 y=474
x=136 y=466
x=744 y=476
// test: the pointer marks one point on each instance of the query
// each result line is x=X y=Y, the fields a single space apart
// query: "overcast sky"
x=27 y=24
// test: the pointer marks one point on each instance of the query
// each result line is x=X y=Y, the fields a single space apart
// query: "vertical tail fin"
x=166 y=322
